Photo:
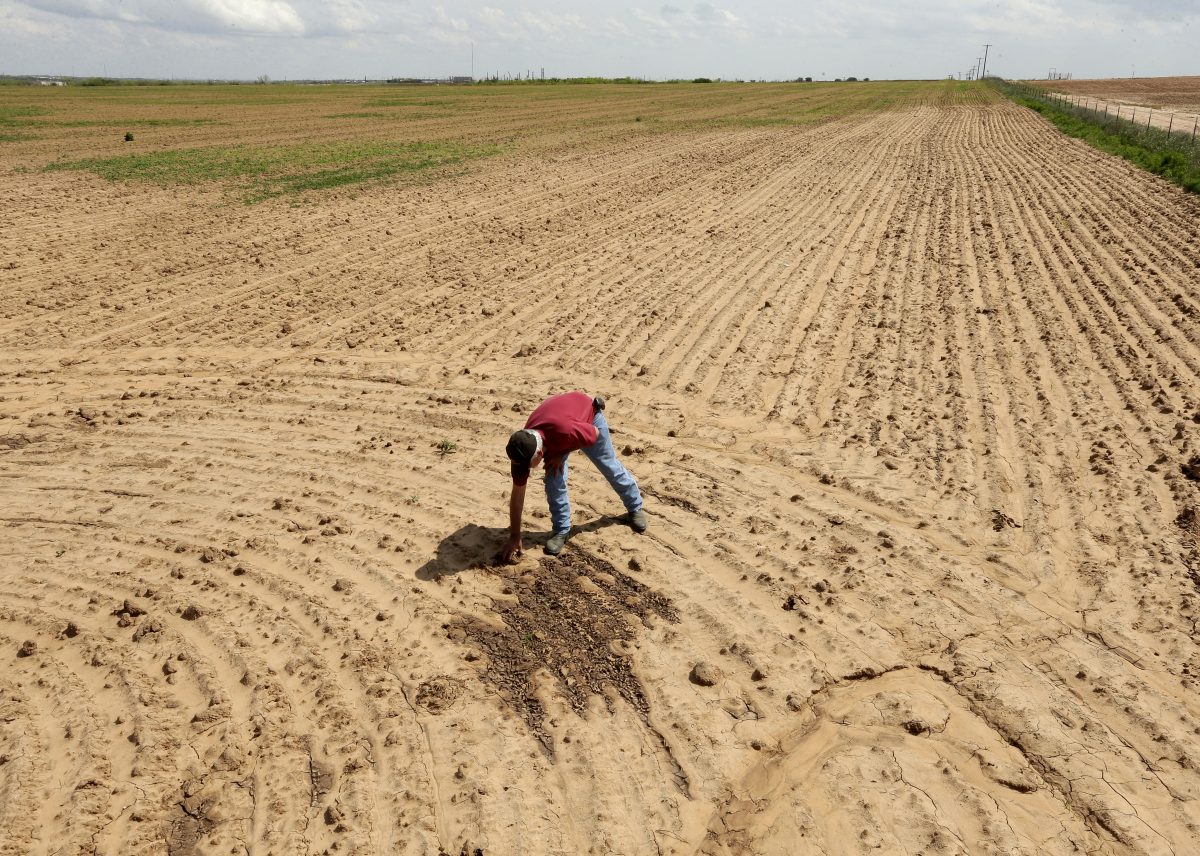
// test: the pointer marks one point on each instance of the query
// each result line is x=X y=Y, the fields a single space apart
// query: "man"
x=560 y=425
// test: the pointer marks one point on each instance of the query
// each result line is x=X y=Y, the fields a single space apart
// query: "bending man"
x=560 y=425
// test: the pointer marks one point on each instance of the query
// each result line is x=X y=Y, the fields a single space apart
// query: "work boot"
x=637 y=519
x=555 y=542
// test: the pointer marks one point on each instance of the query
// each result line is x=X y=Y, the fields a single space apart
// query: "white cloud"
x=553 y=24
x=247 y=16
x=256 y=16
x=700 y=21
x=343 y=16
x=656 y=38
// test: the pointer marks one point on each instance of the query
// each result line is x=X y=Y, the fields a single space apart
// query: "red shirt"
x=565 y=422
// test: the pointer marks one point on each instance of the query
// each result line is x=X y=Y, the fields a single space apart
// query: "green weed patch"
x=1172 y=156
x=407 y=102
x=363 y=115
x=15 y=120
x=11 y=113
x=130 y=123
x=392 y=117
x=255 y=174
x=21 y=117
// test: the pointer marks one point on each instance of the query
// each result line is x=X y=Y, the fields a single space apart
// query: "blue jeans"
x=601 y=454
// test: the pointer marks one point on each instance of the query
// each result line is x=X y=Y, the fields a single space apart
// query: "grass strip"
x=409 y=102
x=10 y=114
x=1174 y=156
x=121 y=123
x=258 y=173
x=390 y=117
x=16 y=120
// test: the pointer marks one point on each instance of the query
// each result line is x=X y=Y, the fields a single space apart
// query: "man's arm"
x=516 y=505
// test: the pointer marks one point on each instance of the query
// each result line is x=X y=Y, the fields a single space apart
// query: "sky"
x=750 y=40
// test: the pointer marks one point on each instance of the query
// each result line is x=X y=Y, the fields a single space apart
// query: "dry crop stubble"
x=911 y=391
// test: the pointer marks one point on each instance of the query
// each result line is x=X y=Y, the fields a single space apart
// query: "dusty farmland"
x=1173 y=93
x=912 y=387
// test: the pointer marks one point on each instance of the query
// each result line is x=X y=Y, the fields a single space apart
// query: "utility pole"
x=472 y=62
x=985 y=53
x=978 y=62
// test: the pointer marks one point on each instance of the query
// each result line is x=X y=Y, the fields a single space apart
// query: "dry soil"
x=914 y=399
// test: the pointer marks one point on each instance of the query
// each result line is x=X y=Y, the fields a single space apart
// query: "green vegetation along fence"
x=1174 y=154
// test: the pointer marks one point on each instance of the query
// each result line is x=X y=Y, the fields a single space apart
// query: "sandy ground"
x=1175 y=93
x=1166 y=119
x=914 y=399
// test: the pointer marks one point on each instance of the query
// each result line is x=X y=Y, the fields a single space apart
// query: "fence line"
x=1166 y=118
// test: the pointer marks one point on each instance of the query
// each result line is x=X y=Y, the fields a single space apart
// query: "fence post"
x=1148 y=118
x=1170 y=124
x=1194 y=123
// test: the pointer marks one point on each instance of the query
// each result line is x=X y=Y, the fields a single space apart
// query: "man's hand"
x=512 y=549
x=554 y=465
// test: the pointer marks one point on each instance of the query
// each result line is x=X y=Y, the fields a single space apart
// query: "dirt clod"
x=704 y=675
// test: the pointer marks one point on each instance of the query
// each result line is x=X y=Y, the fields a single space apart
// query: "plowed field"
x=911 y=384
x=1178 y=93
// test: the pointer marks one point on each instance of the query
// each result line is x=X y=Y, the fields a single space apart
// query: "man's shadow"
x=474 y=546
